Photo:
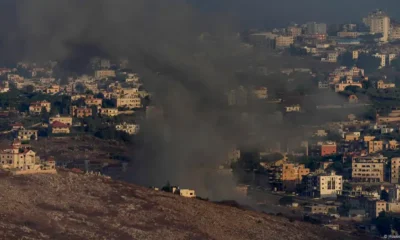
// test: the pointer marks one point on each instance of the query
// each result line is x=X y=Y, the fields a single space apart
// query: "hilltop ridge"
x=76 y=206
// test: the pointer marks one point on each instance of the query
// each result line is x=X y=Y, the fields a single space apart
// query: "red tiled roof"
x=57 y=124
x=17 y=125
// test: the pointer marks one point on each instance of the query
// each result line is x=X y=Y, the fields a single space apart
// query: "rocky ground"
x=77 y=206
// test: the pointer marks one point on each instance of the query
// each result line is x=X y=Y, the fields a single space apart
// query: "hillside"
x=76 y=206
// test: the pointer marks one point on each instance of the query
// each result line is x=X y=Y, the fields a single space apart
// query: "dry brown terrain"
x=76 y=206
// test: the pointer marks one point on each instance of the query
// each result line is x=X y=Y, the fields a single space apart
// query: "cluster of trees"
x=385 y=223
x=365 y=61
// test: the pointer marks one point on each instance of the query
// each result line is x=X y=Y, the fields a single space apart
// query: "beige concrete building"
x=24 y=134
x=379 y=22
x=91 y=101
x=99 y=74
x=382 y=85
x=59 y=128
x=53 y=89
x=81 y=112
x=375 y=146
x=63 y=119
x=187 y=193
x=368 y=169
x=109 y=112
x=340 y=87
x=17 y=158
x=294 y=31
x=374 y=207
x=395 y=170
x=283 y=41
x=348 y=34
x=36 y=107
x=128 y=101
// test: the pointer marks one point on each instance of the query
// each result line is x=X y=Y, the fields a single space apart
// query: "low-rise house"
x=53 y=89
x=186 y=193
x=25 y=134
x=81 y=112
x=60 y=118
x=91 y=101
x=109 y=112
x=131 y=129
x=319 y=209
x=382 y=85
x=36 y=107
x=59 y=128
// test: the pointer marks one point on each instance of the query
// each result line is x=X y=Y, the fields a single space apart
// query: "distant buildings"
x=284 y=41
x=63 y=119
x=382 y=85
x=36 y=107
x=99 y=74
x=109 y=112
x=379 y=22
x=261 y=92
x=316 y=28
x=130 y=129
x=25 y=134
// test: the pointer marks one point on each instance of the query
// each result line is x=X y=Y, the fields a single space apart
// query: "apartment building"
x=323 y=185
x=374 y=207
x=395 y=170
x=131 y=101
x=109 y=112
x=91 y=101
x=283 y=41
x=292 y=174
x=375 y=146
x=25 y=134
x=369 y=168
x=36 y=107
x=81 y=112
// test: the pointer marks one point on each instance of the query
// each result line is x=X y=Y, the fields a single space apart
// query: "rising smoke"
x=187 y=71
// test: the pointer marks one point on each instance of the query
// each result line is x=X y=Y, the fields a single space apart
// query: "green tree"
x=368 y=62
x=384 y=195
x=396 y=64
x=383 y=224
x=286 y=200
x=44 y=114
x=80 y=88
x=346 y=59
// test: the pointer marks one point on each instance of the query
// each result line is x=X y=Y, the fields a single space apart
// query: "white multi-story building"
x=382 y=57
x=379 y=22
x=324 y=185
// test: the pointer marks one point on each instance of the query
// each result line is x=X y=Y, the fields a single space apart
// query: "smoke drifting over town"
x=187 y=70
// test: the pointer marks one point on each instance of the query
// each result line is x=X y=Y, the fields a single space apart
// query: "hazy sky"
x=278 y=12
